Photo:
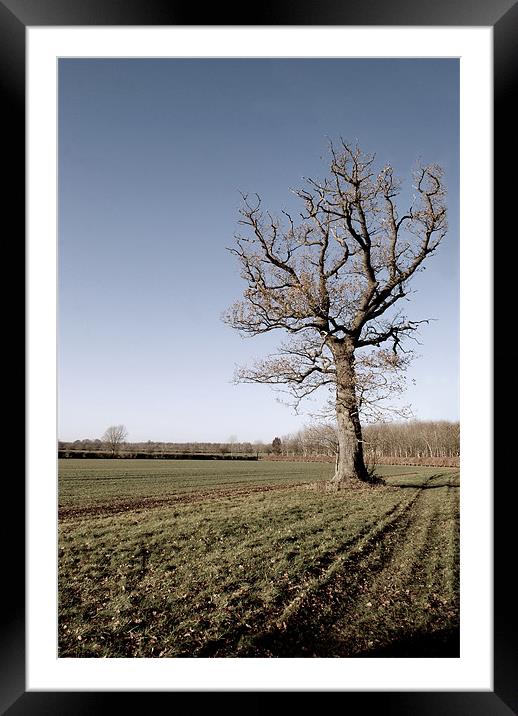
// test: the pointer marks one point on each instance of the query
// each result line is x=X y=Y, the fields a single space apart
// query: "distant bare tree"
x=332 y=281
x=114 y=437
x=258 y=447
x=231 y=443
x=323 y=437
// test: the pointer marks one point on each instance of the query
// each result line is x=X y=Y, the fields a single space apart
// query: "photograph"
x=259 y=254
x=258 y=312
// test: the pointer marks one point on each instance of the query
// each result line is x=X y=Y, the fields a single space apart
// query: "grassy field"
x=255 y=559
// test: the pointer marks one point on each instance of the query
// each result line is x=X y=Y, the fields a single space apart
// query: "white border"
x=473 y=671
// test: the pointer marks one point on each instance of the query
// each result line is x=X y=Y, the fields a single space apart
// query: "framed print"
x=40 y=44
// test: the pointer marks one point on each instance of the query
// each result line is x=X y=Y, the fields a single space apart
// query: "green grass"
x=187 y=558
x=96 y=481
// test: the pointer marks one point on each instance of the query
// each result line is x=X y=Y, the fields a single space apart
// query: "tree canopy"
x=334 y=278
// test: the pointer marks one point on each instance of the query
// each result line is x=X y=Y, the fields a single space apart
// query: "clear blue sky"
x=152 y=156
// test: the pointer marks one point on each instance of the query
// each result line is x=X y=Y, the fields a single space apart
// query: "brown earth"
x=139 y=503
x=412 y=461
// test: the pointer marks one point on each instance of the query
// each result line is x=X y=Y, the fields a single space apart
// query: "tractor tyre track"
x=254 y=638
x=307 y=625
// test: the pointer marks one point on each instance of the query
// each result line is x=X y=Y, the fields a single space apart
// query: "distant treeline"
x=168 y=449
x=421 y=439
x=383 y=443
x=129 y=454
x=434 y=440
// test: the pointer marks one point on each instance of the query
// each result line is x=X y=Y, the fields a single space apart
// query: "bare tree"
x=231 y=442
x=114 y=437
x=332 y=280
x=323 y=437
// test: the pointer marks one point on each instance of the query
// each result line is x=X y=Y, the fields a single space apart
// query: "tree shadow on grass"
x=440 y=644
x=427 y=487
x=328 y=622
x=308 y=640
x=431 y=483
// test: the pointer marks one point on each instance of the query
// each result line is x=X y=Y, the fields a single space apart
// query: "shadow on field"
x=441 y=644
x=426 y=487
x=331 y=621
x=305 y=641
x=431 y=483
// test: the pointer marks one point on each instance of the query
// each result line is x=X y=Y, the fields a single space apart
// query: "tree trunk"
x=350 y=466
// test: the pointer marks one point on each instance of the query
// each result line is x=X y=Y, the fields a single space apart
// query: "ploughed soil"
x=146 y=503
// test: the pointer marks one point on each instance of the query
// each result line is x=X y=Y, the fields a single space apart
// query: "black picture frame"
x=502 y=15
